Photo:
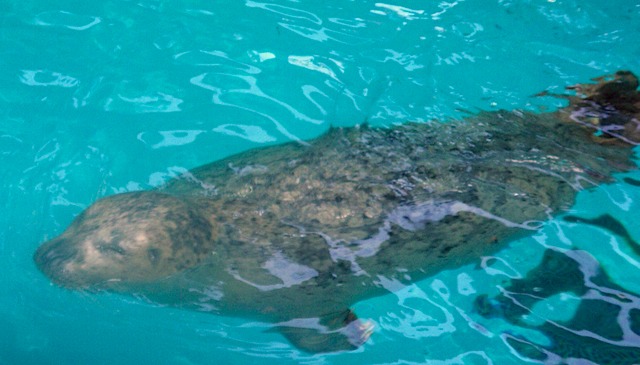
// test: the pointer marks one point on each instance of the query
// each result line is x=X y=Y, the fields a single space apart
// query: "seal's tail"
x=611 y=106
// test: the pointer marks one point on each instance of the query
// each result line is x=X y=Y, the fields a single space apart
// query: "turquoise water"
x=100 y=98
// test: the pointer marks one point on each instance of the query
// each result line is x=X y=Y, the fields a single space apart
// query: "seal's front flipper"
x=334 y=332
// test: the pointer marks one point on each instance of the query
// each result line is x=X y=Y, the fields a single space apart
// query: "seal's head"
x=127 y=239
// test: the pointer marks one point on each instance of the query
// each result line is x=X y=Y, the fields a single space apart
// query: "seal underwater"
x=295 y=234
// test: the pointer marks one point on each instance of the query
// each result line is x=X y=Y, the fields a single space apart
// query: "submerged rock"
x=295 y=234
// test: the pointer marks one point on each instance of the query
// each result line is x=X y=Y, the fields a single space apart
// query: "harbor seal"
x=295 y=234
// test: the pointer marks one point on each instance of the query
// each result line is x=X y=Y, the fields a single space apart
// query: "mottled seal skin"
x=295 y=234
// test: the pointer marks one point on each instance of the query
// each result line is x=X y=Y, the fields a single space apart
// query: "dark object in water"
x=605 y=328
x=632 y=181
x=606 y=221
x=295 y=234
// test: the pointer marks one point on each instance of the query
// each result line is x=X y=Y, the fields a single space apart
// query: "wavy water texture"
x=106 y=97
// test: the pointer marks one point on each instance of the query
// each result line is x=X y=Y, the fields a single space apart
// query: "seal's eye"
x=110 y=248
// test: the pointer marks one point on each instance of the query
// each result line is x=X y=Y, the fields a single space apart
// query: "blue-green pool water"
x=105 y=97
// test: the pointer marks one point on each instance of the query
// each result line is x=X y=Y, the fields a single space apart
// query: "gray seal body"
x=295 y=234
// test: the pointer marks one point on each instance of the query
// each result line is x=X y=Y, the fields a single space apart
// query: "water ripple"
x=420 y=316
x=159 y=103
x=47 y=78
x=324 y=34
x=286 y=11
x=67 y=20
x=171 y=138
x=407 y=13
x=251 y=133
x=247 y=87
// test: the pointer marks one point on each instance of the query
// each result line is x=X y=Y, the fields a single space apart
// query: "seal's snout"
x=52 y=259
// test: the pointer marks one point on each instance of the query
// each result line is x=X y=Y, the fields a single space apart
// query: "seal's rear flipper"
x=334 y=332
